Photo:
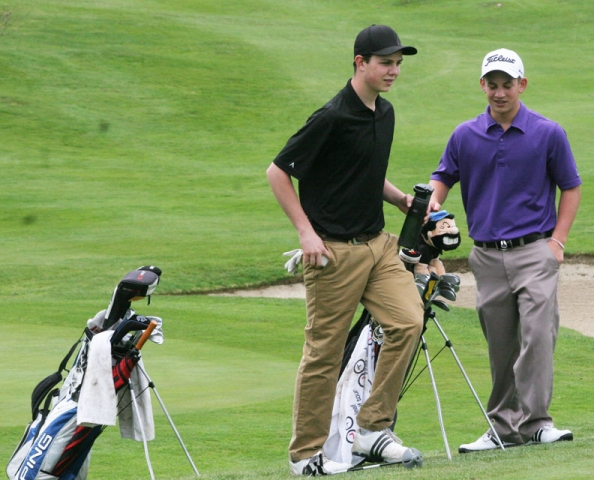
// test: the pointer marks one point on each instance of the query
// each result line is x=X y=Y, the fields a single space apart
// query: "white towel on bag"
x=97 y=404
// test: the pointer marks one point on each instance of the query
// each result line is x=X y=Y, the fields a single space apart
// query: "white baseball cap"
x=503 y=60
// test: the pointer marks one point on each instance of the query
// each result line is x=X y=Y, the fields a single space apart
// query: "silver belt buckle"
x=504 y=244
x=354 y=241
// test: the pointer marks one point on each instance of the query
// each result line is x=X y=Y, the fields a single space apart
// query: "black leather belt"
x=514 y=242
x=358 y=240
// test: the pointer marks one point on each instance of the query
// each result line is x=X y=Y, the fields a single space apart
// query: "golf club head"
x=441 y=304
x=451 y=279
x=421 y=281
x=430 y=288
x=135 y=322
x=420 y=288
x=447 y=292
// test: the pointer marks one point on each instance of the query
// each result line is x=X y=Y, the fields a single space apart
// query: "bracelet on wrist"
x=557 y=242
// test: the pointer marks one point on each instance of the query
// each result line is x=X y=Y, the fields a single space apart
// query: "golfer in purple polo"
x=510 y=162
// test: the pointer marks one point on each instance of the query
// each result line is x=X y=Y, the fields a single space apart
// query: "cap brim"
x=512 y=74
x=406 y=50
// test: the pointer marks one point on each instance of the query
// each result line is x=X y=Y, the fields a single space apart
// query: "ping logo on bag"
x=40 y=449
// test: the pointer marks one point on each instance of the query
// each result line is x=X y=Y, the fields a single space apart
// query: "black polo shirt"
x=340 y=157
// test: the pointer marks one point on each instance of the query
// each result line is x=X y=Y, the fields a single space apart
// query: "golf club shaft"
x=367 y=467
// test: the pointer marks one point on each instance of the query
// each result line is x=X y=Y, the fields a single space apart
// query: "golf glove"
x=157 y=334
x=292 y=266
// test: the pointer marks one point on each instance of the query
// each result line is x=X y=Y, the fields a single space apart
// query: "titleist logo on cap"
x=498 y=58
x=503 y=60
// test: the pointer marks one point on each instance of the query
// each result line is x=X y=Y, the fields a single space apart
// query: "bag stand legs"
x=144 y=441
x=423 y=346
x=179 y=439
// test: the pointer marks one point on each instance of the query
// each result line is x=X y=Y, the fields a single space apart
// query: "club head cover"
x=409 y=255
x=412 y=458
x=136 y=284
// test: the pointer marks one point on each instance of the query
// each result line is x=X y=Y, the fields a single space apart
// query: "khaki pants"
x=371 y=274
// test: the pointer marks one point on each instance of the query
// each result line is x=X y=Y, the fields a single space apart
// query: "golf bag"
x=67 y=420
x=354 y=386
x=360 y=357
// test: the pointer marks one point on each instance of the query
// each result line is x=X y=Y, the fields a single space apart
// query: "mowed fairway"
x=139 y=132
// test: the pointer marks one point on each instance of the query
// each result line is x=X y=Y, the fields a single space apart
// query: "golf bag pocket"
x=27 y=458
x=44 y=444
x=23 y=448
x=44 y=392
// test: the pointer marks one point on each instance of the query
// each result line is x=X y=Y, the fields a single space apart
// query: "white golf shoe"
x=549 y=434
x=486 y=442
x=319 y=464
x=382 y=446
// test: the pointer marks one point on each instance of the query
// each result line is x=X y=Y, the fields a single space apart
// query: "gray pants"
x=519 y=314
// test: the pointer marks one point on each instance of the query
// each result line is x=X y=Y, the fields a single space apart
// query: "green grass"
x=226 y=373
x=138 y=132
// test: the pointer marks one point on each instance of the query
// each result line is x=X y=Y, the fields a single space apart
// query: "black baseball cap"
x=380 y=40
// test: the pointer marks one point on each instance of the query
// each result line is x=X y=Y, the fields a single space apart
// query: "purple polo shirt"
x=508 y=180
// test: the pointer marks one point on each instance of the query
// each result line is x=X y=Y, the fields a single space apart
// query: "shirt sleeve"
x=302 y=149
x=448 y=171
x=561 y=162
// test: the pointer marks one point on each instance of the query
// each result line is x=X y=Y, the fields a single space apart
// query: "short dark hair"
x=366 y=59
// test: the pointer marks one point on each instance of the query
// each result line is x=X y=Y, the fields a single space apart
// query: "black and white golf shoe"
x=486 y=442
x=317 y=465
x=382 y=446
x=550 y=434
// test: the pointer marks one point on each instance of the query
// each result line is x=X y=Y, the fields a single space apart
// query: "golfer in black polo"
x=340 y=158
